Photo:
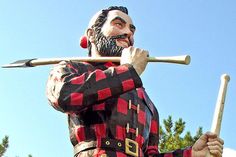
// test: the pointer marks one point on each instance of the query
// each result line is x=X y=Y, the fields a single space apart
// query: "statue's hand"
x=208 y=143
x=135 y=56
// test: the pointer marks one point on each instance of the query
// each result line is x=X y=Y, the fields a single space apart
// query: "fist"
x=136 y=57
x=208 y=143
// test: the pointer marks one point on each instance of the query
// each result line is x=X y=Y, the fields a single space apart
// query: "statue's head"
x=109 y=32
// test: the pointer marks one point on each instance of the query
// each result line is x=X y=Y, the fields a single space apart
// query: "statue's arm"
x=71 y=87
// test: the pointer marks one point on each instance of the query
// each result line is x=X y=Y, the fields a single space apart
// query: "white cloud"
x=229 y=152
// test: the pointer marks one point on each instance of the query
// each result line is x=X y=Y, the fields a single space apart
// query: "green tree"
x=4 y=145
x=170 y=135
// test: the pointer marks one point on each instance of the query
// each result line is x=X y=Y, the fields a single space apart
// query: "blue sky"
x=50 y=28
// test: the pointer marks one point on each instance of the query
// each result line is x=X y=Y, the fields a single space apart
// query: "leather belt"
x=129 y=146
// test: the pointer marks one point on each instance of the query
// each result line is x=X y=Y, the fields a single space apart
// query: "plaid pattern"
x=106 y=101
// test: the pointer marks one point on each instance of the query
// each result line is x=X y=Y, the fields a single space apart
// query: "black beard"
x=106 y=46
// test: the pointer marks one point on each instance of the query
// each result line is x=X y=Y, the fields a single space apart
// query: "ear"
x=91 y=35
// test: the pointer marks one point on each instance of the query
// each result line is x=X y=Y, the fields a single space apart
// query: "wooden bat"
x=217 y=119
x=185 y=59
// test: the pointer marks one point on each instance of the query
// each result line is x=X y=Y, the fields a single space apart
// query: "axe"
x=185 y=59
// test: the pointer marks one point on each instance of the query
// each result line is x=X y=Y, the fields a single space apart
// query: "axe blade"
x=20 y=63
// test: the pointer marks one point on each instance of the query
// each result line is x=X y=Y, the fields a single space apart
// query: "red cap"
x=84 y=42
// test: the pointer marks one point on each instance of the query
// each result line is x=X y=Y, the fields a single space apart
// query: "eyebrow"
x=123 y=21
x=119 y=18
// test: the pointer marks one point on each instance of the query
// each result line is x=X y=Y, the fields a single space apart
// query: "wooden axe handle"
x=219 y=109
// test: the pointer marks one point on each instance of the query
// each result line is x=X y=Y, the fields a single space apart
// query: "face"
x=119 y=23
x=116 y=34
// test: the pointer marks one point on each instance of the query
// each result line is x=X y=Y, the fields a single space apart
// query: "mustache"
x=122 y=36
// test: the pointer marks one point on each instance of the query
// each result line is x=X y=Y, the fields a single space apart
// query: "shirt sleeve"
x=72 y=87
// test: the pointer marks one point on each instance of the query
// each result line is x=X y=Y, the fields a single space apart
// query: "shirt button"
x=108 y=143
x=119 y=144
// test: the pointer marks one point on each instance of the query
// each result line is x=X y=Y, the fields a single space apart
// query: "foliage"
x=4 y=145
x=170 y=135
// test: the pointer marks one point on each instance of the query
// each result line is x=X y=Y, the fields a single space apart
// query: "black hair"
x=101 y=19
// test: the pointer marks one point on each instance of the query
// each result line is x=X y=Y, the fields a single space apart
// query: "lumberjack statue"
x=109 y=112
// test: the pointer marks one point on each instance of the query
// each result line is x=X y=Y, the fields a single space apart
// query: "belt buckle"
x=131 y=147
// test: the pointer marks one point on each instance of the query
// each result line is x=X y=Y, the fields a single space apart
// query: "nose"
x=130 y=35
x=128 y=31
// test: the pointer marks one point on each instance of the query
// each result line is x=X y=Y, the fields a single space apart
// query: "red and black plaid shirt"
x=106 y=101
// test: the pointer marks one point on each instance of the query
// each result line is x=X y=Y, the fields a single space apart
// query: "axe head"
x=20 y=63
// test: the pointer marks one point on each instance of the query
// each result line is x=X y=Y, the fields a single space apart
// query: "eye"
x=119 y=24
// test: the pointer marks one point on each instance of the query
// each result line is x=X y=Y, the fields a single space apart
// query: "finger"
x=211 y=135
x=216 y=148
x=134 y=51
x=127 y=50
x=147 y=55
x=130 y=47
x=145 y=52
x=216 y=153
x=216 y=139
x=204 y=138
x=215 y=143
